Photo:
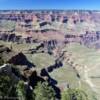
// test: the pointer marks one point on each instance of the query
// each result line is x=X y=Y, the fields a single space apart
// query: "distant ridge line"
x=48 y=10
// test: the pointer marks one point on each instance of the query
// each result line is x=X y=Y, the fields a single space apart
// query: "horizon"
x=50 y=10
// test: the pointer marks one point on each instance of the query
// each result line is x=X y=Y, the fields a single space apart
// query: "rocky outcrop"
x=20 y=59
x=89 y=39
x=6 y=69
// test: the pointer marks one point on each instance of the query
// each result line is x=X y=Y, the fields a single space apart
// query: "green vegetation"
x=20 y=89
x=74 y=94
x=44 y=92
x=41 y=92
x=6 y=85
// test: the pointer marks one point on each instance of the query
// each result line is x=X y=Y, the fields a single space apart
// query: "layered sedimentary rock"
x=80 y=26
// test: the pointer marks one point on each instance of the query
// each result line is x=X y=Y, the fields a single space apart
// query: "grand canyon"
x=60 y=47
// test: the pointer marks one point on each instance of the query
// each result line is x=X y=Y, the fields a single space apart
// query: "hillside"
x=61 y=48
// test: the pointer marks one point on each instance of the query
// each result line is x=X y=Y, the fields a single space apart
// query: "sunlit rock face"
x=27 y=26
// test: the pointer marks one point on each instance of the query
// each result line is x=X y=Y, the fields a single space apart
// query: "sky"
x=50 y=4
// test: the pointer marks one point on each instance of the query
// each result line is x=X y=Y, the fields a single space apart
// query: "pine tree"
x=20 y=89
x=44 y=92
x=4 y=85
